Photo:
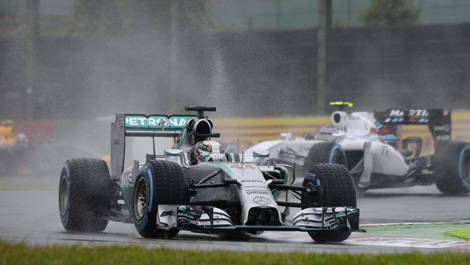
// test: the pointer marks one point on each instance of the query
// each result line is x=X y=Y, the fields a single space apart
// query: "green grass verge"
x=428 y=231
x=19 y=253
x=462 y=233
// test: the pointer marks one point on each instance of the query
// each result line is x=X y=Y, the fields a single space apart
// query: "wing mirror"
x=260 y=153
x=173 y=152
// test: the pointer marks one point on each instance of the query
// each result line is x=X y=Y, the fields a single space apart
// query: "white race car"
x=366 y=144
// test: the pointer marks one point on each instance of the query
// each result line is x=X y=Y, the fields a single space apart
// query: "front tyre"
x=159 y=182
x=84 y=198
x=330 y=152
x=338 y=191
x=451 y=165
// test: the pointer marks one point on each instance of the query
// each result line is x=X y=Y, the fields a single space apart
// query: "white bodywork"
x=252 y=188
x=352 y=132
x=282 y=148
x=358 y=128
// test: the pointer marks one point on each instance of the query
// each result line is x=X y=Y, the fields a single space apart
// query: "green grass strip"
x=19 y=253
x=428 y=231
x=462 y=233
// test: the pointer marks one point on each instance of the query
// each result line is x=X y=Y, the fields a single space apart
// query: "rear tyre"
x=338 y=191
x=159 y=182
x=84 y=195
x=452 y=168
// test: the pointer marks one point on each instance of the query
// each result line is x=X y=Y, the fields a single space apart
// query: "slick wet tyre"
x=84 y=199
x=158 y=182
x=337 y=191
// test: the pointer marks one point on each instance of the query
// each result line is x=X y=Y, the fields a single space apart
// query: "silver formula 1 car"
x=194 y=186
x=367 y=145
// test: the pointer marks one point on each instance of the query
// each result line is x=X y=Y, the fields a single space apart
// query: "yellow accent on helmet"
x=342 y=103
x=205 y=146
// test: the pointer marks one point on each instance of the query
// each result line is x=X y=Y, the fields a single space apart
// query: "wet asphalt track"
x=32 y=216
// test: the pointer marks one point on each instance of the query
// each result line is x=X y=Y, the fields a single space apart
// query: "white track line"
x=418 y=223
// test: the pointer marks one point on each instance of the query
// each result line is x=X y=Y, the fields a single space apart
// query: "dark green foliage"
x=391 y=13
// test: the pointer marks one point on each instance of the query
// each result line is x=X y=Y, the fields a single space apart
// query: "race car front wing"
x=215 y=220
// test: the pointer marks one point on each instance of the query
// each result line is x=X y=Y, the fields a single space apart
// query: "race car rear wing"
x=141 y=125
x=438 y=120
